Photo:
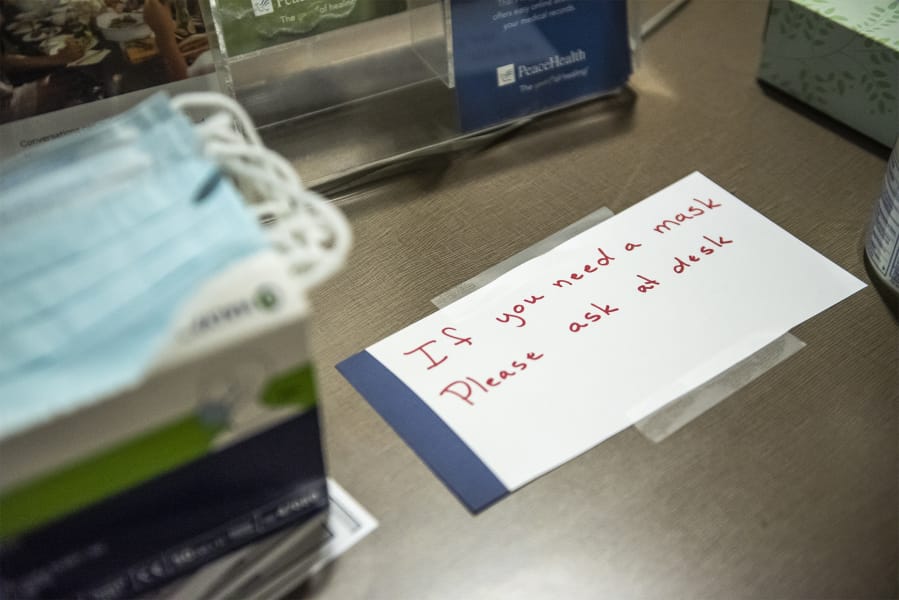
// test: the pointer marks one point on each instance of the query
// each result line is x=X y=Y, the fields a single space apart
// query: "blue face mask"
x=73 y=194
x=72 y=169
x=43 y=221
x=90 y=279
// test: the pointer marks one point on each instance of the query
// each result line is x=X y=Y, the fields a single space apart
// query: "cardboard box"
x=218 y=447
x=840 y=57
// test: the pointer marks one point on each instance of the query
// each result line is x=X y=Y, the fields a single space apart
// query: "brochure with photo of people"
x=65 y=64
x=248 y=26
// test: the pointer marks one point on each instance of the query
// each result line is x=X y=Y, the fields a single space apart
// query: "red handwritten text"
x=604 y=260
x=683 y=217
x=592 y=317
x=459 y=340
x=648 y=284
x=682 y=265
x=516 y=312
x=437 y=361
x=468 y=388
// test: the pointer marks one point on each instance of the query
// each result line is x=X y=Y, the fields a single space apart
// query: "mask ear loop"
x=310 y=231
x=232 y=127
x=313 y=235
x=208 y=100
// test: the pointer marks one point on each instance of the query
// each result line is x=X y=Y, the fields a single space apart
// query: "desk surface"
x=787 y=489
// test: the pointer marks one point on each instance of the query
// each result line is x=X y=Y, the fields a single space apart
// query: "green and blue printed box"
x=218 y=447
x=840 y=57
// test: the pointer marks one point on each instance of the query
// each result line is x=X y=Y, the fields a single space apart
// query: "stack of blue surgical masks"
x=104 y=234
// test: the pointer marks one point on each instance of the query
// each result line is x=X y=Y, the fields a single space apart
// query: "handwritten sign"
x=579 y=343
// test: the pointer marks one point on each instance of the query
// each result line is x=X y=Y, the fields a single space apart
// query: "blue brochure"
x=513 y=58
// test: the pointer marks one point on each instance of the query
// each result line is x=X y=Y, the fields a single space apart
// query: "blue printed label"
x=514 y=58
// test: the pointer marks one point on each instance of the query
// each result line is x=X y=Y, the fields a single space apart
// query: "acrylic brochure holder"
x=343 y=86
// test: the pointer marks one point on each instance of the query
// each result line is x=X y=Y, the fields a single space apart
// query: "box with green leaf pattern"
x=840 y=57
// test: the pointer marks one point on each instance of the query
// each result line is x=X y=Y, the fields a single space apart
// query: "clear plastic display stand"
x=364 y=95
x=681 y=411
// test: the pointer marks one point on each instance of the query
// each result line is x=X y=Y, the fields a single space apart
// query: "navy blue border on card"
x=426 y=433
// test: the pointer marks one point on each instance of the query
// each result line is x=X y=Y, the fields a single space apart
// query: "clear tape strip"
x=681 y=411
x=541 y=247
